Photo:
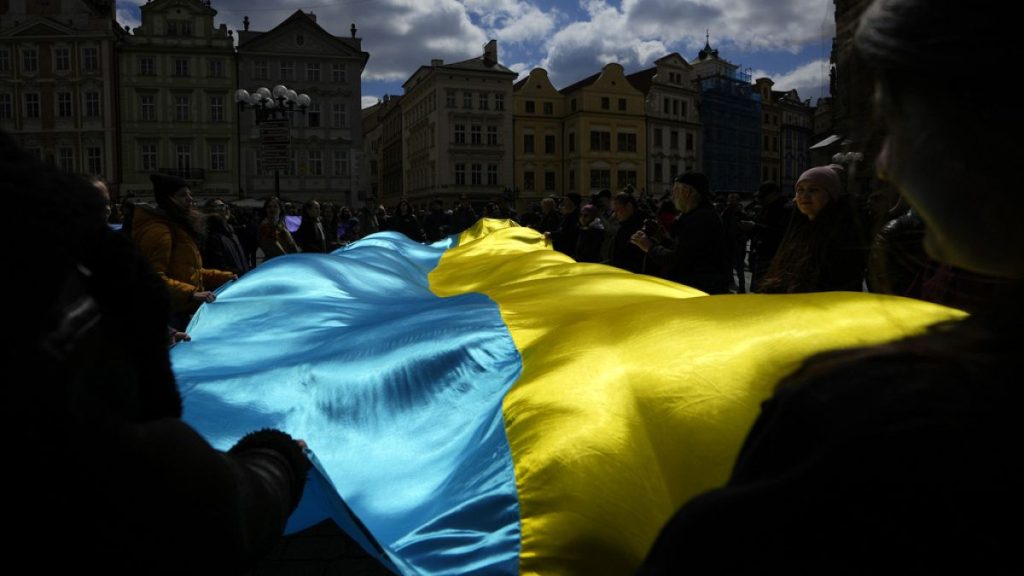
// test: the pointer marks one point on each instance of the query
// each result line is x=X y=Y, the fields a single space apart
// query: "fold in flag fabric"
x=487 y=405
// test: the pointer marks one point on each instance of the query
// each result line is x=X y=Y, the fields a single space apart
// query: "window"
x=5 y=60
x=549 y=181
x=147 y=157
x=338 y=73
x=90 y=59
x=476 y=176
x=146 y=66
x=492 y=174
x=675 y=107
x=531 y=106
x=6 y=107
x=316 y=162
x=215 y=68
x=313 y=115
x=147 y=107
x=449 y=99
x=666 y=105
x=259 y=69
x=92 y=104
x=622 y=104
x=460 y=133
x=287 y=70
x=467 y=100
x=658 y=172
x=64 y=104
x=93 y=159
x=549 y=108
x=181 y=105
x=475 y=135
x=172 y=28
x=626 y=178
x=179 y=28
x=600 y=140
x=499 y=101
x=689 y=141
x=528 y=183
x=313 y=72
x=181 y=67
x=572 y=104
x=606 y=103
x=216 y=108
x=483 y=101
x=339 y=115
x=549 y=144
x=341 y=163
x=572 y=142
x=492 y=135
x=460 y=174
x=61 y=59
x=218 y=156
x=684 y=109
x=572 y=179
x=66 y=158
x=528 y=143
x=600 y=179
x=626 y=142
x=673 y=139
x=183 y=158
x=29 y=60
x=658 y=135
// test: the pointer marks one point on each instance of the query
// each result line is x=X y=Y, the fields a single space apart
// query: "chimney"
x=491 y=53
x=437 y=62
x=313 y=16
x=353 y=29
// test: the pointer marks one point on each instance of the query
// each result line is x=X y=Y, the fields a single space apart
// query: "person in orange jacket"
x=169 y=237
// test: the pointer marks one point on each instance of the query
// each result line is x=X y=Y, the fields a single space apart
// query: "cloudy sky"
x=786 y=40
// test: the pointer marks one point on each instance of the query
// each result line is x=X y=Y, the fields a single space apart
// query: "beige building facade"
x=177 y=73
x=673 y=121
x=326 y=151
x=457 y=130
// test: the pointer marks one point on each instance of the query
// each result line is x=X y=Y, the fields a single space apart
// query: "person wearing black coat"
x=698 y=255
x=898 y=458
x=766 y=230
x=106 y=461
x=222 y=249
x=625 y=254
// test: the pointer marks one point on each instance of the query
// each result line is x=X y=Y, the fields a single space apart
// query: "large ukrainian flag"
x=486 y=405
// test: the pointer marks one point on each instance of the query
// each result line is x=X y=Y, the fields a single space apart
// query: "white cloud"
x=513 y=21
x=584 y=47
x=809 y=80
x=369 y=101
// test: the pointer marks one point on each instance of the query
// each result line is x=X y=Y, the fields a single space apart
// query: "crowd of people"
x=891 y=458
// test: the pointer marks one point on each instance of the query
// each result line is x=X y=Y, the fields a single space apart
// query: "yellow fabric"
x=636 y=393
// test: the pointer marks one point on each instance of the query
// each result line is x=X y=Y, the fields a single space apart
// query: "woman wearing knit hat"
x=169 y=237
x=824 y=248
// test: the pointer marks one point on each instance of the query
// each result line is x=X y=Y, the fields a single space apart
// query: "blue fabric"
x=396 y=391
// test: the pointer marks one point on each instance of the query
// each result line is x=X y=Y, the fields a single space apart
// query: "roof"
x=478 y=64
x=643 y=79
x=581 y=84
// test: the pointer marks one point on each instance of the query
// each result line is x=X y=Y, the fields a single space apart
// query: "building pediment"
x=38 y=26
x=300 y=35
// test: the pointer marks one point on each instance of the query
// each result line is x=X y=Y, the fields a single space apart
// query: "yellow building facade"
x=538 y=111
x=605 y=133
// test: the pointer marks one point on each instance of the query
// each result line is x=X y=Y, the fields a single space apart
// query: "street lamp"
x=272 y=108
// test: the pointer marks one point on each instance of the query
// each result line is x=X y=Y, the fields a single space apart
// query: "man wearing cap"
x=700 y=256
x=169 y=237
